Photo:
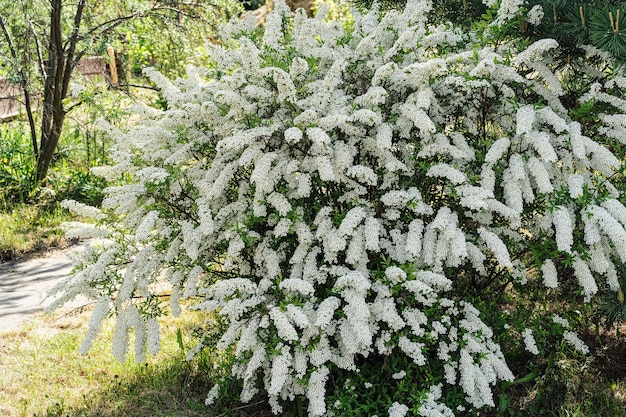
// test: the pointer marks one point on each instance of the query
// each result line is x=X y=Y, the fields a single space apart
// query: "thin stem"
x=24 y=85
x=241 y=407
x=582 y=15
x=612 y=21
x=42 y=67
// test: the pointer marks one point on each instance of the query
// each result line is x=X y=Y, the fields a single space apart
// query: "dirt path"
x=25 y=283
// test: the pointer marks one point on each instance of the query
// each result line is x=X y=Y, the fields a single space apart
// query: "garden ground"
x=42 y=373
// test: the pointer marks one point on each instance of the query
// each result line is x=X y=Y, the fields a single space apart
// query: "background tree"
x=44 y=41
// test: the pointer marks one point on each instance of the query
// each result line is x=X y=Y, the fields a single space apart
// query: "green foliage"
x=607 y=31
x=172 y=39
x=252 y=4
x=613 y=305
x=16 y=165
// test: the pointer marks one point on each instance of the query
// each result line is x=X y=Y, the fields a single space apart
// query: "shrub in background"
x=347 y=202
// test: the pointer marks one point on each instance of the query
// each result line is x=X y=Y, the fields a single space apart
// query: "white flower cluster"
x=535 y=15
x=326 y=192
x=529 y=341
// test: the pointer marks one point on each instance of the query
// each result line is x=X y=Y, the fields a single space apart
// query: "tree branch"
x=24 y=85
x=147 y=87
x=105 y=27
x=111 y=24
x=42 y=67
x=71 y=51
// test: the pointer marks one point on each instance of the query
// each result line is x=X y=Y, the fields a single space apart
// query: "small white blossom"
x=571 y=338
x=561 y=321
x=100 y=312
x=497 y=150
x=399 y=375
x=585 y=278
x=497 y=247
x=212 y=395
x=535 y=15
x=550 y=276
x=529 y=342
x=563 y=227
x=575 y=183
x=398 y=410
x=446 y=171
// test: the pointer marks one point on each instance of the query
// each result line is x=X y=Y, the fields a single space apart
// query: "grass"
x=42 y=374
x=28 y=228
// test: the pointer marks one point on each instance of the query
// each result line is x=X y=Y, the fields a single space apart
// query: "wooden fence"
x=9 y=99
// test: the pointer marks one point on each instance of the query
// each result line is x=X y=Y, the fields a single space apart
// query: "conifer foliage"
x=340 y=198
x=571 y=23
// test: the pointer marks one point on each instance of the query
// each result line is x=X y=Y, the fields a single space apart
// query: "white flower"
x=326 y=310
x=497 y=247
x=535 y=15
x=363 y=174
x=154 y=343
x=611 y=227
x=297 y=285
x=585 y=278
x=538 y=170
x=293 y=135
x=508 y=10
x=571 y=338
x=82 y=209
x=98 y=315
x=399 y=375
x=353 y=218
x=525 y=119
x=575 y=183
x=395 y=275
x=284 y=328
x=446 y=171
x=560 y=320
x=280 y=371
x=541 y=142
x=497 y=149
x=413 y=350
x=398 y=410
x=529 y=341
x=316 y=391
x=564 y=228
x=76 y=89
x=550 y=276
x=212 y=395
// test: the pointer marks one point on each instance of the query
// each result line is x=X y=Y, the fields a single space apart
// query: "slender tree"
x=52 y=37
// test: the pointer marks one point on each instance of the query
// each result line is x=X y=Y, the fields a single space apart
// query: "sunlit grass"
x=42 y=374
x=29 y=228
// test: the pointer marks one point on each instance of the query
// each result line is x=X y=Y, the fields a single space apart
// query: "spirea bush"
x=344 y=200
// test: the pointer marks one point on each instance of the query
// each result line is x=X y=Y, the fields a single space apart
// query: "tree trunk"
x=59 y=68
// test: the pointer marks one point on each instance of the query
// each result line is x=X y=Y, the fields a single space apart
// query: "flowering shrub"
x=340 y=199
